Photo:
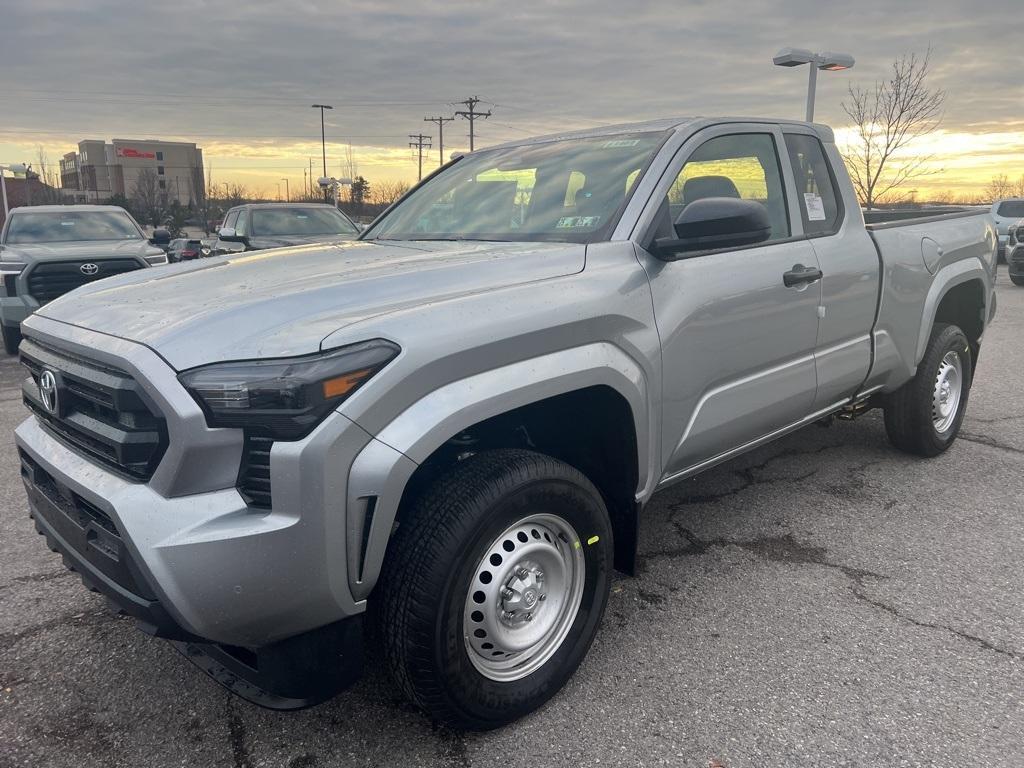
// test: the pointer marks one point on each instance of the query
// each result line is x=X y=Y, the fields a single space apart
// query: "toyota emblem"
x=89 y=269
x=48 y=391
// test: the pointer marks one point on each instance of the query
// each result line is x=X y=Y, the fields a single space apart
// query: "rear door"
x=737 y=344
x=849 y=262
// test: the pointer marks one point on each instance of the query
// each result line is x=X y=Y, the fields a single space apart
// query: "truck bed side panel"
x=921 y=261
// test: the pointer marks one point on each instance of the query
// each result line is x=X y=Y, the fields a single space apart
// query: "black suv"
x=255 y=226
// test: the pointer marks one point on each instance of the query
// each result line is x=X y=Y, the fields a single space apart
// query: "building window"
x=163 y=184
x=160 y=170
x=160 y=156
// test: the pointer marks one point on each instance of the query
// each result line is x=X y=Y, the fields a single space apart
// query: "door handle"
x=800 y=274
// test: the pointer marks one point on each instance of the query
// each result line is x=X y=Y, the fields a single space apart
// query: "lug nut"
x=529 y=617
x=507 y=615
x=539 y=576
x=542 y=597
x=507 y=594
x=522 y=573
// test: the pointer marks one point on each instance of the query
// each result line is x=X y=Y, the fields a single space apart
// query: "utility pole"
x=323 y=140
x=440 y=134
x=287 y=194
x=471 y=114
x=419 y=142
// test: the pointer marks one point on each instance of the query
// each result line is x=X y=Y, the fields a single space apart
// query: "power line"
x=471 y=114
x=440 y=133
x=420 y=141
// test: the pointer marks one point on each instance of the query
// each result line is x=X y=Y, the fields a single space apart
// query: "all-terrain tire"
x=431 y=571
x=913 y=419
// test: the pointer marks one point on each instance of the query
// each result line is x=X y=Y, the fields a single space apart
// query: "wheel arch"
x=959 y=296
x=565 y=404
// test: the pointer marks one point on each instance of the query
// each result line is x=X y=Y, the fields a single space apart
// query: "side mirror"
x=160 y=237
x=229 y=235
x=716 y=222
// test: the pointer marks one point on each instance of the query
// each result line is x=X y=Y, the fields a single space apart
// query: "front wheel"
x=924 y=415
x=494 y=586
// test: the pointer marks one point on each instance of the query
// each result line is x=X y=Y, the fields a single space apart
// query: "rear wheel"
x=494 y=586
x=12 y=338
x=924 y=415
x=1017 y=279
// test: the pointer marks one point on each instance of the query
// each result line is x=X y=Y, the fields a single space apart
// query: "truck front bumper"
x=256 y=597
x=1015 y=261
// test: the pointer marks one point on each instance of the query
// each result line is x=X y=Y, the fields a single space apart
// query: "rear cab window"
x=817 y=197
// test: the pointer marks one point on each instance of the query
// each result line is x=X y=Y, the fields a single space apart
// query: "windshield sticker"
x=618 y=143
x=815 y=207
x=577 y=222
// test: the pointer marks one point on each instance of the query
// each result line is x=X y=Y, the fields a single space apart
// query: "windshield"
x=300 y=221
x=1012 y=209
x=71 y=226
x=562 y=191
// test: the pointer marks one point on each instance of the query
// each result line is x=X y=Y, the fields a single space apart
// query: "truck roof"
x=664 y=124
x=67 y=208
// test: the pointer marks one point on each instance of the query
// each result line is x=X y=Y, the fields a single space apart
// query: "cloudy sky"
x=238 y=77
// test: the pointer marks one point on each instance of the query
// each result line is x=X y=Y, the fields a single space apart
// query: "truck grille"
x=48 y=280
x=254 y=478
x=100 y=411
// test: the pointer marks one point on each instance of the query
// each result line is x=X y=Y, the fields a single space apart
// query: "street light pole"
x=795 y=57
x=323 y=136
x=287 y=194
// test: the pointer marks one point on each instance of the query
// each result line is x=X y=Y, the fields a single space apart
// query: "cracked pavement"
x=822 y=601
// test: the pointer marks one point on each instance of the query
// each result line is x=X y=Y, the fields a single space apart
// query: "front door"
x=737 y=343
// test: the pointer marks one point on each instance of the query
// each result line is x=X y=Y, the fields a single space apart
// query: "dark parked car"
x=183 y=249
x=256 y=226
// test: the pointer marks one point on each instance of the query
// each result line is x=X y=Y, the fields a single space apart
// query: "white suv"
x=1005 y=213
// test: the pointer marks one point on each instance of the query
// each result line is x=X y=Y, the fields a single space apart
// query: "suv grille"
x=48 y=280
x=100 y=410
x=254 y=478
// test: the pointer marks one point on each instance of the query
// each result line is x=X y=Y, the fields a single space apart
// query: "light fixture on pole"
x=329 y=182
x=16 y=168
x=795 y=57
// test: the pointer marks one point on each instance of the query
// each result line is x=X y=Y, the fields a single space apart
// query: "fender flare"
x=947 y=278
x=380 y=472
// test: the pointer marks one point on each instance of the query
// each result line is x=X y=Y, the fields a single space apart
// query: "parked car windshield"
x=1011 y=209
x=70 y=226
x=563 y=191
x=300 y=221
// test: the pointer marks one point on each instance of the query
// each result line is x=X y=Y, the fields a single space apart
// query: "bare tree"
x=384 y=193
x=887 y=119
x=999 y=187
x=148 y=200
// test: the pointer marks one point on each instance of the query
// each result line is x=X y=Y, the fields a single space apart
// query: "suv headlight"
x=284 y=398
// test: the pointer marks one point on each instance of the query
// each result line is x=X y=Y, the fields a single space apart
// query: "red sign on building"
x=134 y=153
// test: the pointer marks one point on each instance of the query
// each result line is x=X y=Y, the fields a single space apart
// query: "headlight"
x=284 y=398
x=157 y=260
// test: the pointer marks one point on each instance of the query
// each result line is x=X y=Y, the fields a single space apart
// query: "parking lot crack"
x=986 y=644
x=991 y=442
x=81 y=619
x=236 y=736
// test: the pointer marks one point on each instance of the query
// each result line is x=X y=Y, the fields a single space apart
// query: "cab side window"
x=817 y=197
x=229 y=220
x=744 y=165
x=242 y=225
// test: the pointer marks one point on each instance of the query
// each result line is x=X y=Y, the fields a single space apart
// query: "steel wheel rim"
x=947 y=392
x=523 y=597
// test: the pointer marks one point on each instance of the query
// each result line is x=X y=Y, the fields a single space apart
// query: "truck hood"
x=285 y=301
x=94 y=250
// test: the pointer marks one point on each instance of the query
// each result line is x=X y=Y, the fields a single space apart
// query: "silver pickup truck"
x=48 y=250
x=450 y=426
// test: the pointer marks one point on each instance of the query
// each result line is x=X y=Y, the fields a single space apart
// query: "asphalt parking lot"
x=823 y=601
